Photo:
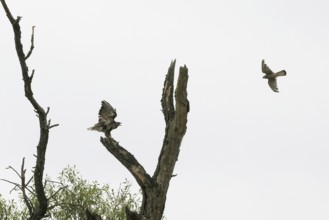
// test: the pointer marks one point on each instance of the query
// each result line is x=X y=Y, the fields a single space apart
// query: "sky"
x=248 y=153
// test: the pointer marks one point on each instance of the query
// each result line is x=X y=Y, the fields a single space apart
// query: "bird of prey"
x=271 y=76
x=106 y=122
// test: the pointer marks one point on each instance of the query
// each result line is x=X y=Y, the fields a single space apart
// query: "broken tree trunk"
x=154 y=189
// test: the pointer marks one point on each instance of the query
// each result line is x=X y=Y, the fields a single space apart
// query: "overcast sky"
x=248 y=153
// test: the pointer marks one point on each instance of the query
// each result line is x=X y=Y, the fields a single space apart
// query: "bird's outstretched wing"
x=107 y=112
x=266 y=69
x=272 y=83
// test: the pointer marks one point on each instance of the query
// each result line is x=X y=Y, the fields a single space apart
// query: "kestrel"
x=106 y=122
x=271 y=76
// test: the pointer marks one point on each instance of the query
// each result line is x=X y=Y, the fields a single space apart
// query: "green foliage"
x=10 y=211
x=71 y=195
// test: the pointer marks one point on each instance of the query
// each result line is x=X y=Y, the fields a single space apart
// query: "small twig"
x=16 y=184
x=30 y=189
x=51 y=126
x=64 y=203
x=53 y=195
x=28 y=182
x=27 y=201
x=32 y=74
x=10 y=167
x=49 y=121
x=32 y=44
x=53 y=181
x=15 y=189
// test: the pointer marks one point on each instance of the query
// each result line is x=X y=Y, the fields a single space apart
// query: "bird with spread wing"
x=271 y=76
x=106 y=122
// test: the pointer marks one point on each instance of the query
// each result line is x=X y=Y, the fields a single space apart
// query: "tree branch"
x=27 y=201
x=31 y=48
x=182 y=103
x=8 y=13
x=155 y=189
x=10 y=167
x=167 y=101
x=175 y=127
x=23 y=186
x=15 y=184
x=57 y=191
x=38 y=212
x=129 y=161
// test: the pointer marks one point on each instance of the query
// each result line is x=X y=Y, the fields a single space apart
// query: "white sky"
x=248 y=153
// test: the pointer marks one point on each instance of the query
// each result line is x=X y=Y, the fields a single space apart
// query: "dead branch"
x=40 y=211
x=129 y=161
x=26 y=199
x=23 y=186
x=16 y=185
x=167 y=100
x=175 y=125
x=31 y=48
x=155 y=188
x=10 y=167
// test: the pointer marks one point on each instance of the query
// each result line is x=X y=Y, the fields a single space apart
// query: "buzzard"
x=106 y=122
x=271 y=76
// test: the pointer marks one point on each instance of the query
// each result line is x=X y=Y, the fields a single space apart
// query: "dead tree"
x=154 y=188
x=36 y=211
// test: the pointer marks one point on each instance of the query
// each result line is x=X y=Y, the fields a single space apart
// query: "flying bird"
x=106 y=122
x=271 y=76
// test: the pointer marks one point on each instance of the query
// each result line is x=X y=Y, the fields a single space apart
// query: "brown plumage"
x=271 y=76
x=106 y=122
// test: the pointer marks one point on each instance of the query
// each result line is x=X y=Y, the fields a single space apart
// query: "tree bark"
x=154 y=189
x=37 y=212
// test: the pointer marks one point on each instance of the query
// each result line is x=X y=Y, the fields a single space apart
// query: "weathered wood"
x=154 y=189
x=128 y=160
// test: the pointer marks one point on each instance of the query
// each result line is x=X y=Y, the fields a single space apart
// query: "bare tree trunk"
x=36 y=212
x=155 y=188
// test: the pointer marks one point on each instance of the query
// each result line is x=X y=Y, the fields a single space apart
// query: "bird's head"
x=265 y=77
x=117 y=124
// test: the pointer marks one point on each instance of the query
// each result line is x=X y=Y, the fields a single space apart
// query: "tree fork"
x=154 y=189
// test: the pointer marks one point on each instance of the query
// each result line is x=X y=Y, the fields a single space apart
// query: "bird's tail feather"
x=281 y=73
x=95 y=128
